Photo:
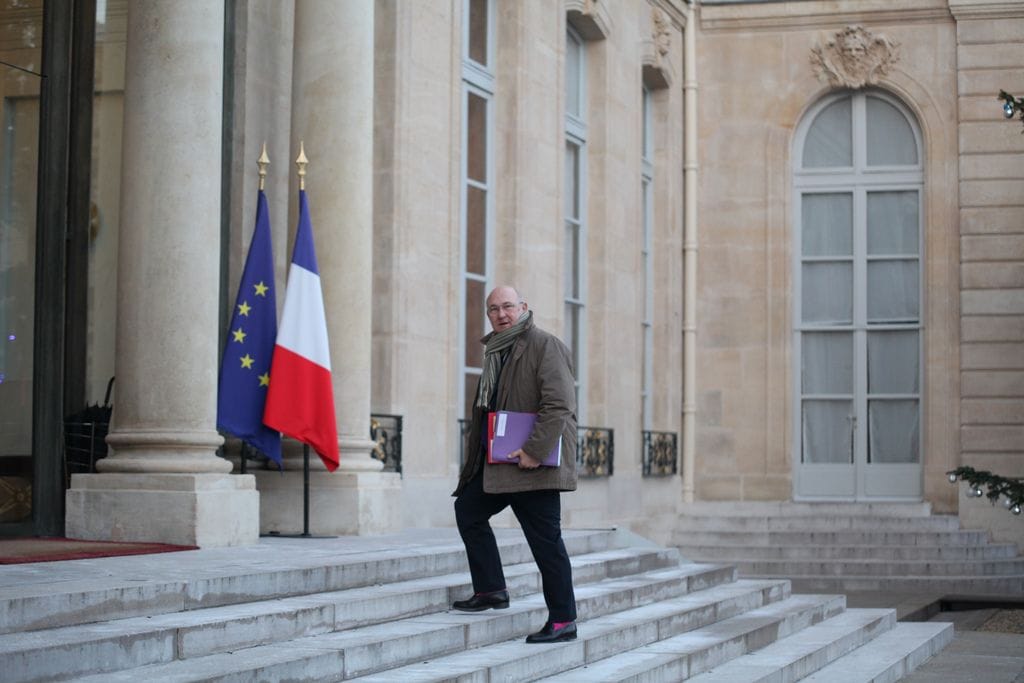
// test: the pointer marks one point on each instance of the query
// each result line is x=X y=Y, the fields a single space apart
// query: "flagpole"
x=262 y=163
x=305 y=490
x=300 y=162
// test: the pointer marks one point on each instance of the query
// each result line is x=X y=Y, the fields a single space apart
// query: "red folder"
x=507 y=431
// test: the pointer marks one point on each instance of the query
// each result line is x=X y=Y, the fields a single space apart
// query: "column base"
x=340 y=503
x=205 y=510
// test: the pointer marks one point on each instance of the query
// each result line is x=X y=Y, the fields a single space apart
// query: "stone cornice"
x=817 y=15
x=986 y=9
x=590 y=18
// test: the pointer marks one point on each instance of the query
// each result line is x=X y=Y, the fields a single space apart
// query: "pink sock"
x=555 y=625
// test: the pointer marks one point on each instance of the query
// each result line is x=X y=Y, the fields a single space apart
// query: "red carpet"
x=20 y=550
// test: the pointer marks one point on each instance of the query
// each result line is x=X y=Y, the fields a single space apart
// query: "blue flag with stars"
x=245 y=366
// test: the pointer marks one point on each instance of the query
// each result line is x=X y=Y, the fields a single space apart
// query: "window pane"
x=19 y=155
x=894 y=431
x=476 y=137
x=476 y=230
x=827 y=224
x=893 y=295
x=478 y=31
x=827 y=363
x=572 y=261
x=573 y=63
x=827 y=432
x=572 y=331
x=572 y=180
x=892 y=223
x=647 y=142
x=893 y=362
x=475 y=302
x=830 y=139
x=828 y=293
x=890 y=139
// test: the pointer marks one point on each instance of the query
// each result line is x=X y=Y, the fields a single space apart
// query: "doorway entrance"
x=858 y=182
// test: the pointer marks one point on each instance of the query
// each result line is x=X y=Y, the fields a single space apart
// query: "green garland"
x=1012 y=105
x=1012 y=490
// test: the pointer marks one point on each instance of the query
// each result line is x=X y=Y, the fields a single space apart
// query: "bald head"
x=504 y=307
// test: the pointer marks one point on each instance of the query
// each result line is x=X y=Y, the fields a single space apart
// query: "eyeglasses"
x=508 y=307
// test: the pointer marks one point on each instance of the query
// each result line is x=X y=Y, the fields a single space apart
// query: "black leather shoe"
x=549 y=634
x=482 y=601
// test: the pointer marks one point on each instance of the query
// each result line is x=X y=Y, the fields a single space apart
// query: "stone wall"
x=989 y=59
x=756 y=82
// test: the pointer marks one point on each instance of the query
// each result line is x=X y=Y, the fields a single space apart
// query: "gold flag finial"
x=263 y=162
x=301 y=162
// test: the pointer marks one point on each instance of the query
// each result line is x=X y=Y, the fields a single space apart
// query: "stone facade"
x=375 y=89
x=991 y=216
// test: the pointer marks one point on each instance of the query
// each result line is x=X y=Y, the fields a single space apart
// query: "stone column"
x=163 y=480
x=332 y=113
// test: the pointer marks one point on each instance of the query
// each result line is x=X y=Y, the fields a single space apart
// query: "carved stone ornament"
x=661 y=32
x=854 y=57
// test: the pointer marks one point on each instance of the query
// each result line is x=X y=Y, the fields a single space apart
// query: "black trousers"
x=540 y=515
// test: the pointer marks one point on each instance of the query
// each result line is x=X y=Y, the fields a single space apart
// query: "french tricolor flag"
x=300 y=399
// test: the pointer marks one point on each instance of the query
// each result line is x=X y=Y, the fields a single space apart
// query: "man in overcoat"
x=525 y=370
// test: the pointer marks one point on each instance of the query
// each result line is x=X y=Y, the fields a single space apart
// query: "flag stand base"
x=305 y=503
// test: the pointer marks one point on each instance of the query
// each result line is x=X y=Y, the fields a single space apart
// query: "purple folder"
x=507 y=431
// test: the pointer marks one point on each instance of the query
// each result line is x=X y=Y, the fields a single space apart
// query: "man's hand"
x=526 y=461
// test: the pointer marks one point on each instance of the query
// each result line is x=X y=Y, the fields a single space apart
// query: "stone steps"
x=851 y=568
x=137 y=641
x=753 y=508
x=689 y=653
x=399 y=642
x=753 y=614
x=823 y=523
x=82 y=591
x=825 y=538
x=933 y=585
x=728 y=552
x=377 y=610
x=832 y=650
x=875 y=548
x=889 y=657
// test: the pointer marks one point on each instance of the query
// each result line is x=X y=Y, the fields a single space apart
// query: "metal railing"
x=660 y=454
x=595 y=452
x=386 y=431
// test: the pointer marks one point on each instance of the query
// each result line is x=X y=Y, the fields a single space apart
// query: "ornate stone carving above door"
x=854 y=57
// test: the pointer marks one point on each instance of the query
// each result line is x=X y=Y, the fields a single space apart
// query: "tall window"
x=477 y=184
x=21 y=67
x=646 y=255
x=858 y=187
x=575 y=208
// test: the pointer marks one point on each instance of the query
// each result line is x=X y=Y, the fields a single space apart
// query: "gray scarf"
x=495 y=344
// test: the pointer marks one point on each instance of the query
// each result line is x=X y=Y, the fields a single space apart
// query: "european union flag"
x=245 y=366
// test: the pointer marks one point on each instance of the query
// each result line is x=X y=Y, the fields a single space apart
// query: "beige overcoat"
x=537 y=378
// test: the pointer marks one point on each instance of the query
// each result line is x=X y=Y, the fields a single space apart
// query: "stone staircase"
x=850 y=548
x=377 y=610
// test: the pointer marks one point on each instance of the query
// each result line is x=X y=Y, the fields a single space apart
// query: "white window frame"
x=646 y=257
x=576 y=135
x=858 y=180
x=477 y=79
